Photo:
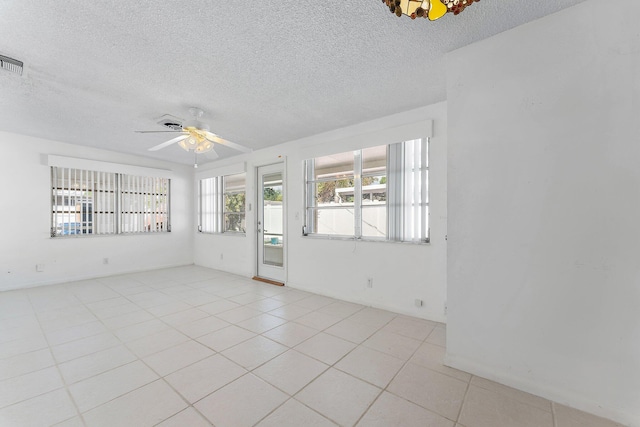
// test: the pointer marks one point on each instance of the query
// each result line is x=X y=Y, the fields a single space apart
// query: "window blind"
x=98 y=203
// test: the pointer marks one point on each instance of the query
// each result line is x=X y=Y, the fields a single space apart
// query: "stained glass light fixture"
x=431 y=9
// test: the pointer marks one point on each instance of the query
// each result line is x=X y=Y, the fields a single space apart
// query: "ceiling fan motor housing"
x=195 y=125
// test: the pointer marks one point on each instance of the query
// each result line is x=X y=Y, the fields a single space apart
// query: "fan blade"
x=157 y=131
x=211 y=155
x=215 y=138
x=168 y=143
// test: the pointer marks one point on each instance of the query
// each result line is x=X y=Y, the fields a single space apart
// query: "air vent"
x=170 y=122
x=11 y=64
x=173 y=126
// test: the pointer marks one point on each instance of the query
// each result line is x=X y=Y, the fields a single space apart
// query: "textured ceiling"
x=264 y=72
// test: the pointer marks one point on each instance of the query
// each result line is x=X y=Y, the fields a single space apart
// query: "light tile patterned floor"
x=196 y=347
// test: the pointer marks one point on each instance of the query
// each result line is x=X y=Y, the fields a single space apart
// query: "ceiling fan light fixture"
x=196 y=141
x=188 y=144
x=204 y=147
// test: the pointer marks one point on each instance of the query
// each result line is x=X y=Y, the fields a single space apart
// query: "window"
x=234 y=201
x=210 y=205
x=103 y=203
x=144 y=204
x=222 y=204
x=377 y=193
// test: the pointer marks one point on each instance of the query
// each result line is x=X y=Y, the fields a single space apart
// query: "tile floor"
x=196 y=347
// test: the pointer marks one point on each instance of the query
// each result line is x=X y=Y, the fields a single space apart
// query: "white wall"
x=25 y=220
x=544 y=209
x=401 y=272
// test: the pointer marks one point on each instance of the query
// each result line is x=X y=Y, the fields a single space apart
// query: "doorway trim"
x=282 y=161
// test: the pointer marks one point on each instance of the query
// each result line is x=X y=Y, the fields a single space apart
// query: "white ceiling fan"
x=195 y=136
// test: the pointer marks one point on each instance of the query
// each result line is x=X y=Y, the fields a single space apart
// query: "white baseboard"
x=434 y=317
x=79 y=278
x=236 y=271
x=563 y=397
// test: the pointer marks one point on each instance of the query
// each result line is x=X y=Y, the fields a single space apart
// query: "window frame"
x=217 y=210
x=242 y=214
x=396 y=173
x=106 y=198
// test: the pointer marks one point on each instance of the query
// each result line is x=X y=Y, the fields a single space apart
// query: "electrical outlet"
x=418 y=302
x=369 y=282
x=39 y=268
x=221 y=256
x=105 y=261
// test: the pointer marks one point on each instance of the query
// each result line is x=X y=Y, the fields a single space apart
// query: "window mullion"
x=223 y=202
x=83 y=175
x=310 y=197
x=92 y=219
x=424 y=150
x=54 y=201
x=200 y=203
x=395 y=179
x=98 y=203
x=108 y=206
x=139 y=189
x=113 y=202
x=145 y=214
x=220 y=205
x=167 y=205
x=357 y=193
x=117 y=192
x=153 y=198
x=417 y=193
x=216 y=201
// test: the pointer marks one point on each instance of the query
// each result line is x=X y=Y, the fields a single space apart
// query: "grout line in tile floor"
x=329 y=367
x=161 y=377
x=553 y=414
x=60 y=303
x=391 y=380
x=251 y=371
x=66 y=388
x=466 y=392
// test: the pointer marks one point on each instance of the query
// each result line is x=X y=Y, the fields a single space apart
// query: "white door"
x=271 y=237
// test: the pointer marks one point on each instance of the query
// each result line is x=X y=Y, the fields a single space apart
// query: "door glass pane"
x=272 y=220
